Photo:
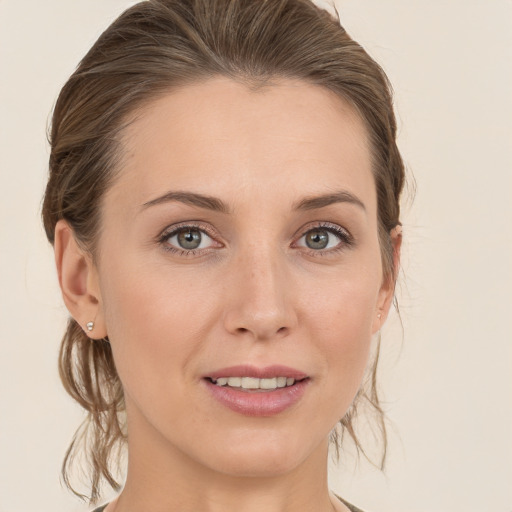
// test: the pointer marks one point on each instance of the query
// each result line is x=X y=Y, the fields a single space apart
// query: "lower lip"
x=258 y=403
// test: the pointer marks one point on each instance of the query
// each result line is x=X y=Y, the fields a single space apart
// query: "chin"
x=267 y=455
x=263 y=466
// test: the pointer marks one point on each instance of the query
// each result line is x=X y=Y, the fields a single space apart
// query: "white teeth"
x=281 y=382
x=254 y=383
x=250 y=383
x=234 y=382
x=268 y=383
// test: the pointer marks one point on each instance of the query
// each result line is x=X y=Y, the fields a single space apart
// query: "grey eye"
x=317 y=238
x=189 y=239
x=321 y=238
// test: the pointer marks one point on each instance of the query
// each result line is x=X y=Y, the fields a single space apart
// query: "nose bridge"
x=261 y=303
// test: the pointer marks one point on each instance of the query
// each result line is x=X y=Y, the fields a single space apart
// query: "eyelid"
x=346 y=238
x=174 y=229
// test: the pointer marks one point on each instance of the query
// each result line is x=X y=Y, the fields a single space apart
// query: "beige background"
x=447 y=385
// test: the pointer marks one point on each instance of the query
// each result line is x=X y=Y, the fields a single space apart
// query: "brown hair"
x=151 y=48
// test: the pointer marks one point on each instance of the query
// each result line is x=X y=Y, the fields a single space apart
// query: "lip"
x=267 y=372
x=258 y=403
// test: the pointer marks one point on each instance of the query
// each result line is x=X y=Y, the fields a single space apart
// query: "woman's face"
x=239 y=242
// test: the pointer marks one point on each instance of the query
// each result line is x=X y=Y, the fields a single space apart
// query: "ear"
x=387 y=290
x=78 y=280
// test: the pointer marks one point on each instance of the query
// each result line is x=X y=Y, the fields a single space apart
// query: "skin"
x=253 y=293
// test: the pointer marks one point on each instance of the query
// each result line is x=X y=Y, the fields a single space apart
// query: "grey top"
x=351 y=507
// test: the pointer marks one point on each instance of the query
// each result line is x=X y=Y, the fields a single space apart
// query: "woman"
x=223 y=201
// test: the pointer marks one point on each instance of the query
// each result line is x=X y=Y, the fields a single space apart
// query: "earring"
x=90 y=326
x=379 y=316
x=397 y=230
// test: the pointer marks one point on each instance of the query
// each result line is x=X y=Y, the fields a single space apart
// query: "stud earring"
x=397 y=230
x=379 y=316
x=90 y=326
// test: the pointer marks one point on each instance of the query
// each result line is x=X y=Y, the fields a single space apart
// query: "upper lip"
x=266 y=372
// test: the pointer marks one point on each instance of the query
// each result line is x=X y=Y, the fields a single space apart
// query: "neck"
x=161 y=478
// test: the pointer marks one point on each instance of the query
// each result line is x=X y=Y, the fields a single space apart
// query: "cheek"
x=150 y=301
x=151 y=325
x=341 y=322
x=343 y=304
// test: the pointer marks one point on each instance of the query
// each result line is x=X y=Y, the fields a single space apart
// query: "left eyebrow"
x=315 y=202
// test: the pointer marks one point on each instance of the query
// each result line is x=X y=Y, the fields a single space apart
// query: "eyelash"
x=174 y=230
x=346 y=239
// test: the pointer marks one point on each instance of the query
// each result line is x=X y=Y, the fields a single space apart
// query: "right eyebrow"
x=191 y=198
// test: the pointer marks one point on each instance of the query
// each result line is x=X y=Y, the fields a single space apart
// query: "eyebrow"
x=191 y=198
x=217 y=205
x=316 y=202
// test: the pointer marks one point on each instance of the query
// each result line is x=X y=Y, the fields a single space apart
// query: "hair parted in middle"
x=152 y=48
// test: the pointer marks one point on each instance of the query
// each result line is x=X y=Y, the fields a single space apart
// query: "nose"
x=260 y=303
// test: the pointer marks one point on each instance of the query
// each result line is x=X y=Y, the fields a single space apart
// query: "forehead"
x=220 y=137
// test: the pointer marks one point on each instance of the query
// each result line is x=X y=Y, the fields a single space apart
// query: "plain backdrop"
x=446 y=382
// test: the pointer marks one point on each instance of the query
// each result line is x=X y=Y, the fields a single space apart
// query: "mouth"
x=252 y=391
